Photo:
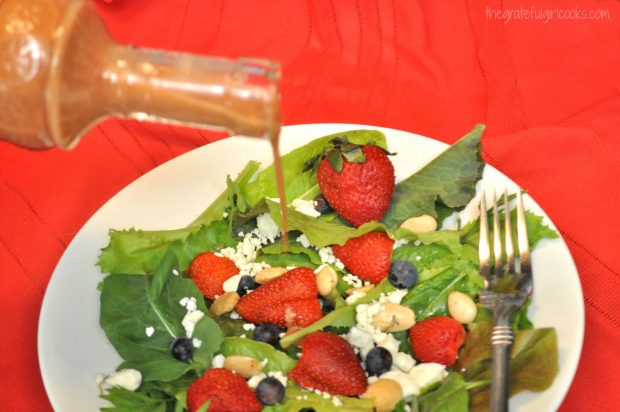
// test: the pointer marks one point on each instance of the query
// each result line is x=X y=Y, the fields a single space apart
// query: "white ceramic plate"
x=73 y=349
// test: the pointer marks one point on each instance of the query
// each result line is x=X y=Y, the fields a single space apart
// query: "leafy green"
x=318 y=231
x=232 y=327
x=449 y=179
x=430 y=298
x=277 y=360
x=293 y=248
x=451 y=396
x=138 y=252
x=318 y=403
x=124 y=400
x=533 y=360
x=131 y=303
x=343 y=316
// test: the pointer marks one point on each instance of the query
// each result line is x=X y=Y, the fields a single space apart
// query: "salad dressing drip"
x=275 y=145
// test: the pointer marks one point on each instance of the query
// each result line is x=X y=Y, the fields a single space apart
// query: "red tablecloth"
x=543 y=76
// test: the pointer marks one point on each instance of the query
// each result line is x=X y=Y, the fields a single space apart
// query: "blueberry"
x=268 y=333
x=182 y=348
x=378 y=361
x=321 y=205
x=270 y=391
x=326 y=305
x=246 y=283
x=403 y=274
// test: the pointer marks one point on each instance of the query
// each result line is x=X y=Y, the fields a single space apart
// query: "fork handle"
x=501 y=341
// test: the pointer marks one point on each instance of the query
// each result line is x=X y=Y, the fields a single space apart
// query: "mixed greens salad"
x=148 y=300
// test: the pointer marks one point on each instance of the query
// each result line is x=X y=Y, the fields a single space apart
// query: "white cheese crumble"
x=354 y=297
x=267 y=227
x=196 y=343
x=175 y=272
x=305 y=207
x=337 y=402
x=244 y=254
x=303 y=239
x=149 y=331
x=234 y=315
x=129 y=379
x=255 y=380
x=279 y=376
x=403 y=361
x=218 y=361
x=418 y=378
x=190 y=320
x=352 y=280
x=249 y=326
x=398 y=243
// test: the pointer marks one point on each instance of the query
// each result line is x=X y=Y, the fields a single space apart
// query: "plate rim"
x=53 y=280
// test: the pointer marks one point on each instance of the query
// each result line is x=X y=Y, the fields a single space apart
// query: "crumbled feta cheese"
x=175 y=272
x=291 y=267
x=406 y=382
x=129 y=379
x=305 y=207
x=264 y=362
x=399 y=243
x=190 y=320
x=426 y=374
x=232 y=283
x=403 y=361
x=255 y=380
x=390 y=343
x=352 y=280
x=354 y=297
x=225 y=215
x=279 y=376
x=149 y=331
x=418 y=258
x=234 y=315
x=417 y=242
x=249 y=326
x=337 y=402
x=243 y=336
x=218 y=361
x=196 y=343
x=361 y=339
x=303 y=240
x=326 y=254
x=395 y=296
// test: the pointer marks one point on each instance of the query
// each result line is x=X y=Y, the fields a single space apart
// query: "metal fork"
x=508 y=283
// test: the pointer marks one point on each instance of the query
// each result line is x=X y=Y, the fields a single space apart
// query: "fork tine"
x=498 y=269
x=509 y=247
x=522 y=240
x=484 y=251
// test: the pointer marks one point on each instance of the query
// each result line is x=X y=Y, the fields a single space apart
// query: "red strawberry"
x=227 y=391
x=329 y=364
x=437 y=339
x=361 y=191
x=210 y=271
x=290 y=300
x=368 y=256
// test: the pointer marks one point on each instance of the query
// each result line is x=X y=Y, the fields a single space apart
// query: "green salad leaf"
x=533 y=360
x=449 y=179
x=124 y=400
x=451 y=396
x=276 y=360
x=297 y=399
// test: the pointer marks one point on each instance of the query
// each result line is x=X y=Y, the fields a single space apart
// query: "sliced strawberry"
x=368 y=256
x=329 y=364
x=362 y=190
x=437 y=340
x=227 y=391
x=290 y=300
x=210 y=271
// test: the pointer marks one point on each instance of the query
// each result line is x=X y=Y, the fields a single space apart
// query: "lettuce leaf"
x=449 y=179
x=124 y=400
x=277 y=360
x=297 y=399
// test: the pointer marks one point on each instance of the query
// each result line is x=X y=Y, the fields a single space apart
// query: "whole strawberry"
x=437 y=340
x=227 y=391
x=290 y=300
x=368 y=256
x=329 y=364
x=210 y=271
x=358 y=186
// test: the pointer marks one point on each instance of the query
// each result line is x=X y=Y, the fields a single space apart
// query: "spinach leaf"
x=449 y=179
x=277 y=360
x=533 y=360
x=293 y=248
x=139 y=252
x=451 y=396
x=211 y=338
x=232 y=327
x=430 y=298
x=124 y=400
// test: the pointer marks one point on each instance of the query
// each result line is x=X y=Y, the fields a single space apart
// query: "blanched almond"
x=394 y=318
x=224 y=304
x=268 y=274
x=385 y=394
x=243 y=365
x=420 y=224
x=362 y=289
x=462 y=308
x=326 y=280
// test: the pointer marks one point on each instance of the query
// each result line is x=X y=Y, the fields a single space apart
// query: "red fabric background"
x=548 y=91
